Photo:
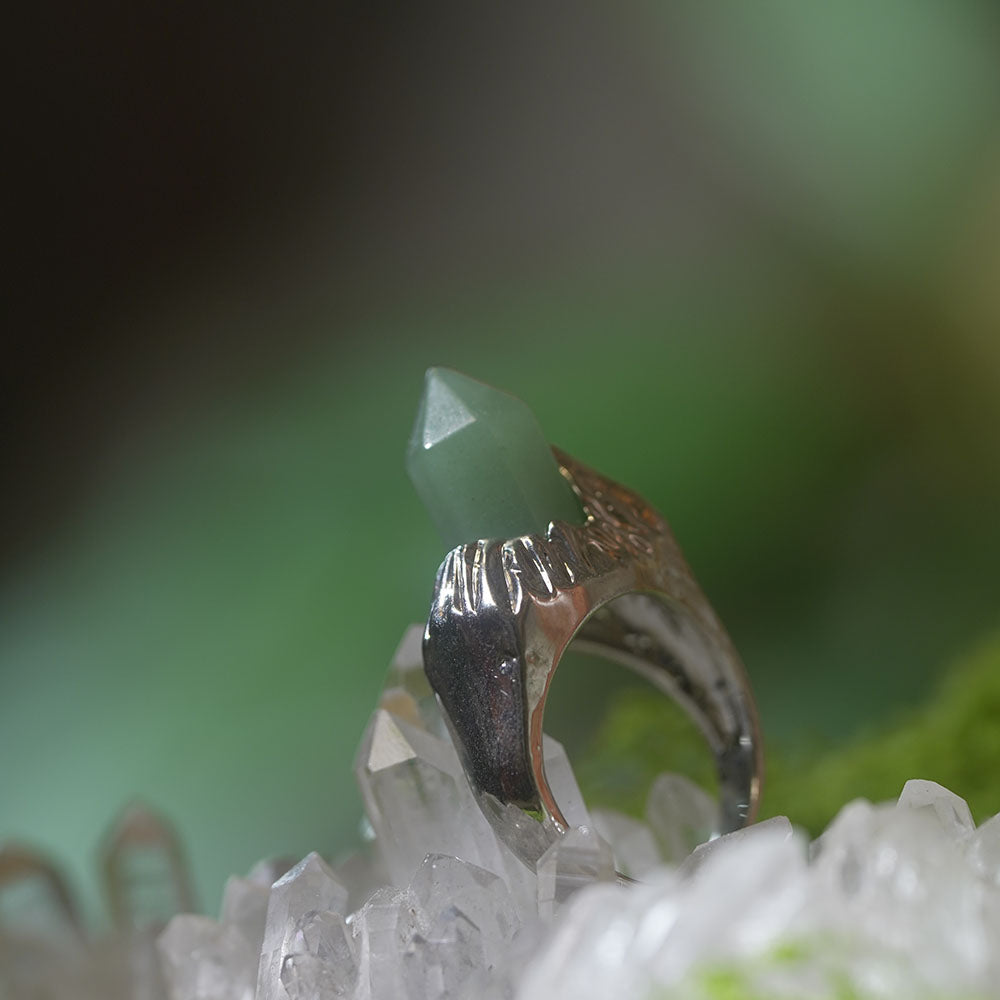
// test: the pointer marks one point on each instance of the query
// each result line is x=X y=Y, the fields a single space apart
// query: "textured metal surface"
x=504 y=612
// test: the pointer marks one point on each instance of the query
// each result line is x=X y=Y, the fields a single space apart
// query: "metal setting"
x=617 y=585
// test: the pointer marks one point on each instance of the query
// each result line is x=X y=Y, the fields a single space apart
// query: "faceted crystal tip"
x=481 y=464
x=145 y=870
x=32 y=876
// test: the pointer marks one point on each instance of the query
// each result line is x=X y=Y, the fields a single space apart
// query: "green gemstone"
x=481 y=464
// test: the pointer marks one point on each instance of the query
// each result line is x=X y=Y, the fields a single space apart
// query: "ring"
x=504 y=612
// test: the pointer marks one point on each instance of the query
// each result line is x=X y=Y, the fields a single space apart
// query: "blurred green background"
x=744 y=258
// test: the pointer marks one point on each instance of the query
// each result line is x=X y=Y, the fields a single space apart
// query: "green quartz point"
x=481 y=464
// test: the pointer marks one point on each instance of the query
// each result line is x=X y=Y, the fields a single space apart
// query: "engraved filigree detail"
x=616 y=582
x=620 y=528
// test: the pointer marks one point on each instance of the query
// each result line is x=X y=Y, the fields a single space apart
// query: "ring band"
x=504 y=612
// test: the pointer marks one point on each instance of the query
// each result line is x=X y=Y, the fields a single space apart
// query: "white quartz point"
x=681 y=816
x=518 y=840
x=760 y=876
x=983 y=851
x=447 y=960
x=406 y=669
x=320 y=963
x=360 y=872
x=202 y=959
x=842 y=854
x=951 y=810
x=528 y=838
x=416 y=797
x=309 y=887
x=384 y=928
x=631 y=841
x=576 y=859
x=146 y=875
x=777 y=827
x=443 y=883
x=580 y=962
x=267 y=871
x=407 y=693
x=881 y=866
x=244 y=906
x=562 y=782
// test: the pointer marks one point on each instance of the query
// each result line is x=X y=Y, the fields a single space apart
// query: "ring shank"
x=504 y=612
x=656 y=640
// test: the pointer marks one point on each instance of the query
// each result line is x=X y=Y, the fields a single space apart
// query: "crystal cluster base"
x=898 y=900
x=893 y=900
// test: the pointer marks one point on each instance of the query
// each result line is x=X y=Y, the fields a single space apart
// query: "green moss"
x=640 y=738
x=954 y=739
x=726 y=984
x=823 y=966
x=789 y=953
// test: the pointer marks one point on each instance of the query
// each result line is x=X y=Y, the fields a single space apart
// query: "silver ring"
x=504 y=612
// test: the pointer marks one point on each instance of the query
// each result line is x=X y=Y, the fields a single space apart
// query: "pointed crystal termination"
x=481 y=464
x=562 y=781
x=244 y=900
x=384 y=928
x=244 y=906
x=447 y=961
x=777 y=828
x=361 y=872
x=951 y=811
x=407 y=693
x=681 y=816
x=310 y=888
x=445 y=886
x=47 y=907
x=321 y=959
x=203 y=959
x=885 y=863
x=983 y=851
x=575 y=860
x=145 y=871
x=414 y=794
x=632 y=842
x=43 y=946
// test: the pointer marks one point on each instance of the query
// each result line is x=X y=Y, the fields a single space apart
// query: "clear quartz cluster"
x=435 y=905
x=897 y=900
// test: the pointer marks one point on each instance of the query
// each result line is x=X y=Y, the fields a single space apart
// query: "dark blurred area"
x=745 y=259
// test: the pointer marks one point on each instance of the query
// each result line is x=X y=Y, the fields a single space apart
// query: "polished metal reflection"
x=504 y=612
